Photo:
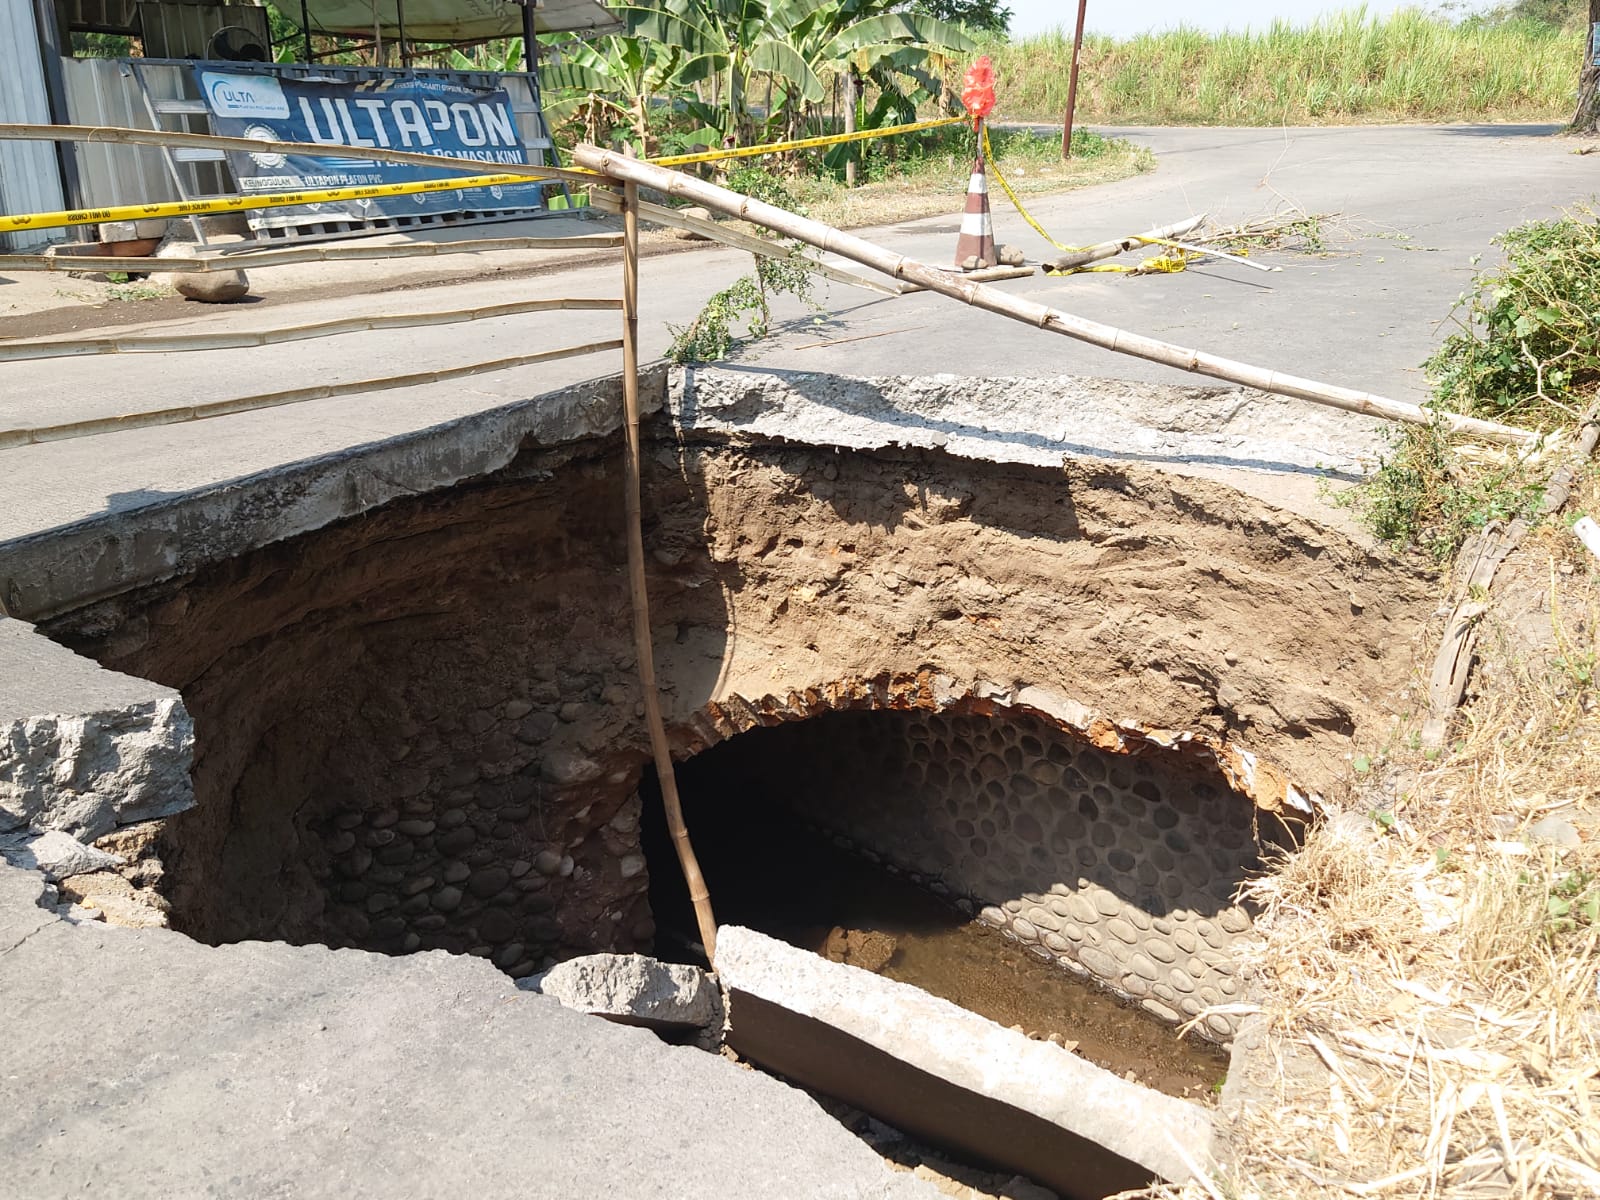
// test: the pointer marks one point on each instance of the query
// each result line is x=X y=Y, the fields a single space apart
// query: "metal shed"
x=30 y=173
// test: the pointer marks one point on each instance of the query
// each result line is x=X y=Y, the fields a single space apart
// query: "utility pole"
x=1072 y=84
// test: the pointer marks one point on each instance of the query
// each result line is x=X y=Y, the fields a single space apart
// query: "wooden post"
x=850 y=125
x=991 y=299
x=659 y=748
x=1072 y=83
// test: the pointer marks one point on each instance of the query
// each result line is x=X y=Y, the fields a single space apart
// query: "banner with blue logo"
x=418 y=115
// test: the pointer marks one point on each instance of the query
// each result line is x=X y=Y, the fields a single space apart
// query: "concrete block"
x=951 y=1076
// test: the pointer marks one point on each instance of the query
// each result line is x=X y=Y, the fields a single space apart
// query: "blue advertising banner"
x=419 y=115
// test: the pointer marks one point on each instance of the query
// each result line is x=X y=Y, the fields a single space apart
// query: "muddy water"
x=778 y=877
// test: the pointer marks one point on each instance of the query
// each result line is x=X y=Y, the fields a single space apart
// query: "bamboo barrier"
x=289 y=255
x=660 y=749
x=608 y=201
x=119 y=135
x=991 y=299
x=240 y=340
x=12 y=438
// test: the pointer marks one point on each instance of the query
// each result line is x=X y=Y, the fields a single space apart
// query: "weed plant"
x=743 y=311
x=1526 y=353
x=1347 y=67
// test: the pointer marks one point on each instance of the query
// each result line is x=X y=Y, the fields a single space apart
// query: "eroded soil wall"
x=420 y=728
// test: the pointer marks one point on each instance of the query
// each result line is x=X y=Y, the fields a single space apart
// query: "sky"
x=1122 y=17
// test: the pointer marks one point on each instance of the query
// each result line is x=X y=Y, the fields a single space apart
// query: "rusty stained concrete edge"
x=1260 y=781
x=46 y=573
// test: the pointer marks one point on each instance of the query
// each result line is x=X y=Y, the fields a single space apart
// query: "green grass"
x=1350 y=67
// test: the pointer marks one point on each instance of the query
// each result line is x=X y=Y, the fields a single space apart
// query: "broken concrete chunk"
x=1009 y=255
x=56 y=855
x=632 y=989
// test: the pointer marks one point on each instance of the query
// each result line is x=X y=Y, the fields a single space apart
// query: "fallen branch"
x=991 y=299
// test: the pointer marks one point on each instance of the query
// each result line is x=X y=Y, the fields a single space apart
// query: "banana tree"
x=610 y=81
x=732 y=44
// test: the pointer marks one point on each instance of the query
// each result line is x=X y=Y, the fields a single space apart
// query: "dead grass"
x=1428 y=974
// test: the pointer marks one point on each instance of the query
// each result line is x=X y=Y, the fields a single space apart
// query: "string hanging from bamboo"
x=660 y=749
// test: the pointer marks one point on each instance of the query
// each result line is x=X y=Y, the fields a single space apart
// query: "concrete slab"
x=263 y=1069
x=952 y=1076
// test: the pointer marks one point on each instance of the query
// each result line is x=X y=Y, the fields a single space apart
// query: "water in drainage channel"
x=768 y=872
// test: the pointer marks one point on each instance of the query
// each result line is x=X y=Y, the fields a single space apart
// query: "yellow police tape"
x=832 y=139
x=1166 y=263
x=190 y=208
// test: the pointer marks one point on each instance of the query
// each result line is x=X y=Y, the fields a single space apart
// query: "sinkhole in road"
x=1079 y=699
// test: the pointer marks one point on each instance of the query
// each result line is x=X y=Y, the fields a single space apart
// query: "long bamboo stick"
x=660 y=749
x=170 y=343
x=608 y=202
x=289 y=255
x=12 y=438
x=1103 y=250
x=119 y=135
x=1052 y=320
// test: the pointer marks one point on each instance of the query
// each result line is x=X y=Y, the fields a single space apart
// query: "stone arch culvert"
x=1073 y=675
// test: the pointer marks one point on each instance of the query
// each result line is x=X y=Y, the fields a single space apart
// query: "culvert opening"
x=993 y=860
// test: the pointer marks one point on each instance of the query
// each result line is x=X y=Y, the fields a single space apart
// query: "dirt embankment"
x=419 y=728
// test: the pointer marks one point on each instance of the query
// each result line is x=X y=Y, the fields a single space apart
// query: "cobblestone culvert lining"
x=1121 y=867
x=418 y=728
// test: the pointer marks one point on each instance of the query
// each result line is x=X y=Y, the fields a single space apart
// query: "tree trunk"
x=1587 y=117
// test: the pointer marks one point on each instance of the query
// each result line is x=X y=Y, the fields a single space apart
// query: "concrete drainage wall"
x=416 y=707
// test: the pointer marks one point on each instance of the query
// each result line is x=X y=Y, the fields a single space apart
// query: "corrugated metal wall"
x=184 y=30
x=30 y=176
x=102 y=91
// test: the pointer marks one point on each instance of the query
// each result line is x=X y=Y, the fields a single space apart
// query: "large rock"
x=55 y=855
x=633 y=989
x=211 y=287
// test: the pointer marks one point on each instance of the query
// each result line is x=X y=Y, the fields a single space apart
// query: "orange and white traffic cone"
x=975 y=247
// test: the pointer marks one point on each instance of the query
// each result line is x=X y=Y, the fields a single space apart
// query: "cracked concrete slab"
x=263 y=1069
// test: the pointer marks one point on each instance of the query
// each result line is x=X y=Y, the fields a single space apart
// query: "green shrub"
x=1529 y=346
x=1527 y=354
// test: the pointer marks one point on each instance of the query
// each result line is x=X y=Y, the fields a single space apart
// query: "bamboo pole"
x=991 y=299
x=607 y=201
x=12 y=438
x=211 y=141
x=1104 y=250
x=289 y=255
x=632 y=487
x=240 y=340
